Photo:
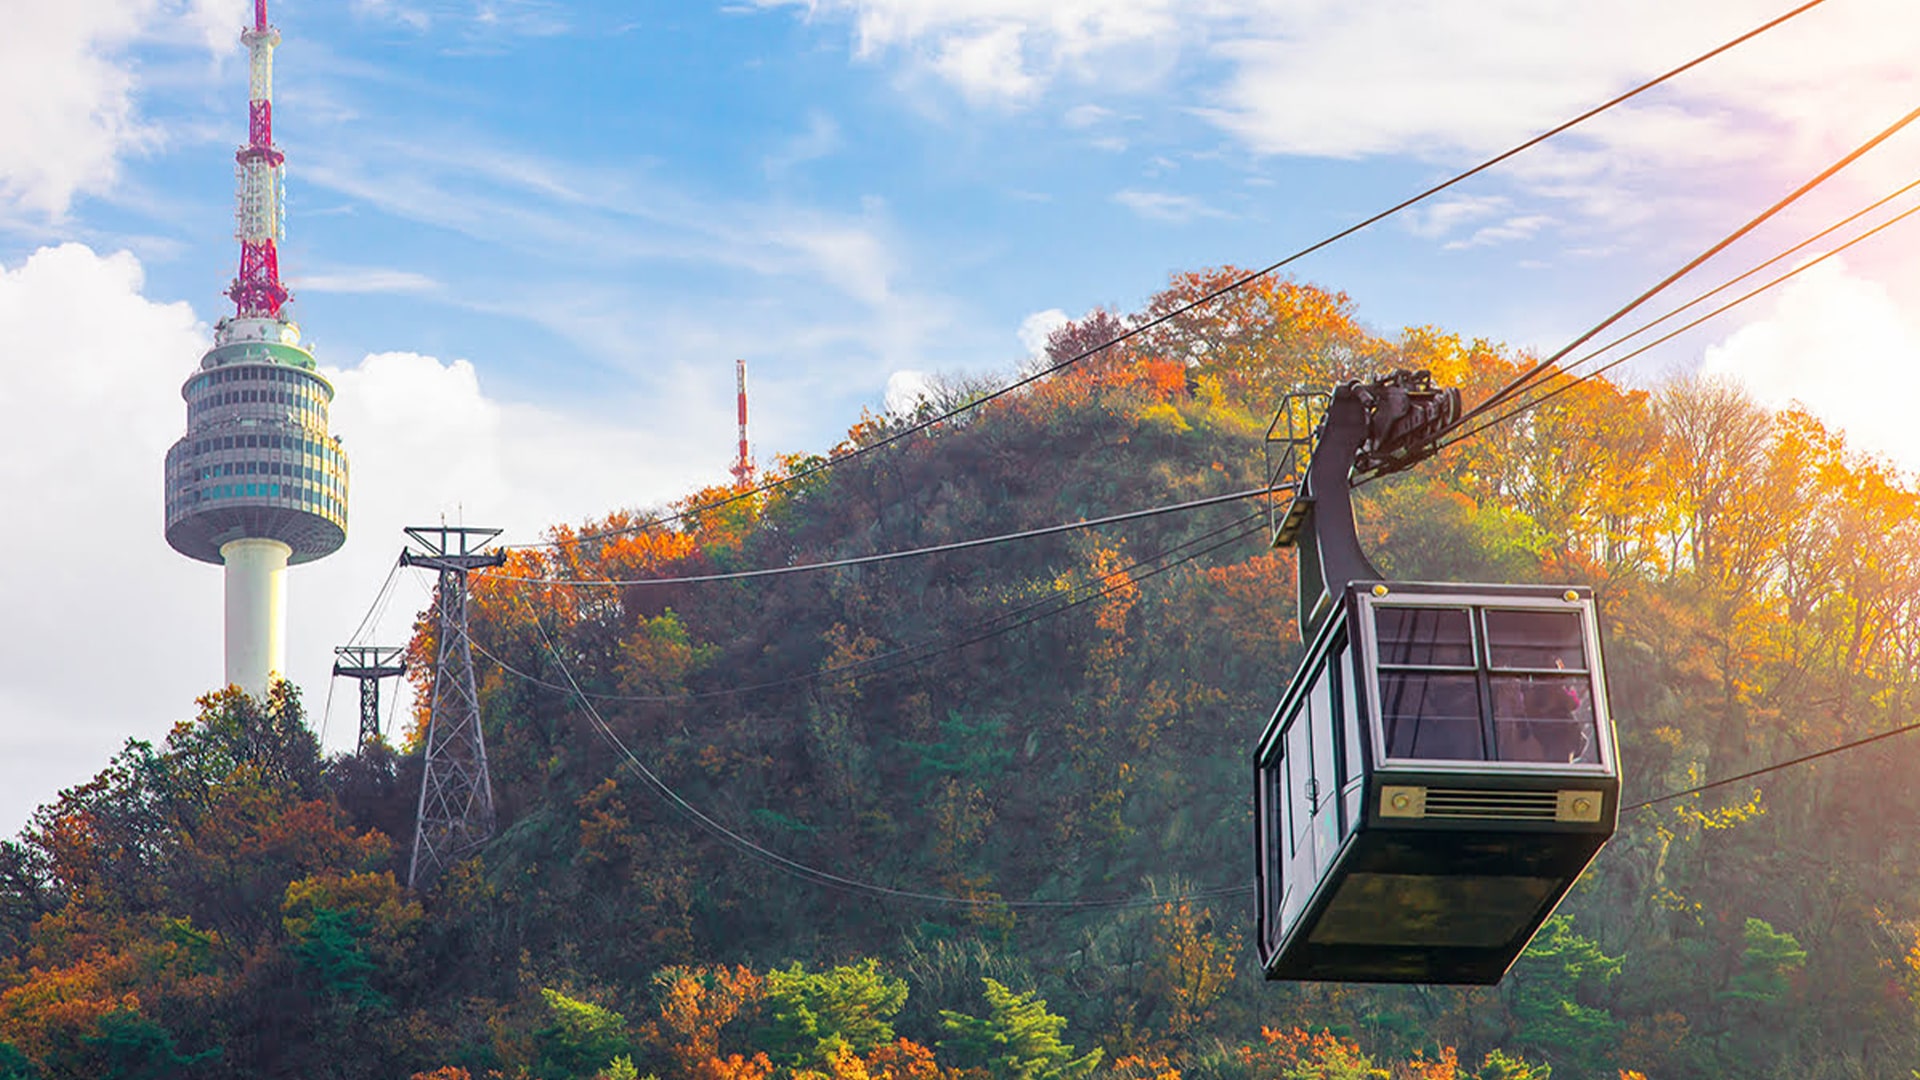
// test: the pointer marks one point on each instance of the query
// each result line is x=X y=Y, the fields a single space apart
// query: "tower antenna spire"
x=259 y=179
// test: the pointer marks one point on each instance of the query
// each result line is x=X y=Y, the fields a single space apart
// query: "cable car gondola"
x=1442 y=767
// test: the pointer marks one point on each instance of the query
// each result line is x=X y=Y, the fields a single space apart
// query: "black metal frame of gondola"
x=1366 y=775
x=1496 y=865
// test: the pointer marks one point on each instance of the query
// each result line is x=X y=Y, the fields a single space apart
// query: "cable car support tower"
x=456 y=793
x=369 y=664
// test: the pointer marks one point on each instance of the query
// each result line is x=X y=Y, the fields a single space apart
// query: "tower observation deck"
x=257 y=483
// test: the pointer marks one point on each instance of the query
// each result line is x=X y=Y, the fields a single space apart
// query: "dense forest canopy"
x=1062 y=719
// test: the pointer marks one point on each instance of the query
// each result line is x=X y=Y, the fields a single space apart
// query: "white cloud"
x=1843 y=347
x=219 y=22
x=70 y=101
x=1433 y=78
x=101 y=606
x=426 y=440
x=1085 y=116
x=821 y=138
x=1418 y=76
x=113 y=634
x=71 y=93
x=1521 y=227
x=532 y=204
x=905 y=389
x=365 y=279
x=407 y=15
x=850 y=256
x=987 y=65
x=1058 y=29
x=520 y=18
x=1440 y=217
x=1037 y=327
x=1008 y=52
x=1166 y=206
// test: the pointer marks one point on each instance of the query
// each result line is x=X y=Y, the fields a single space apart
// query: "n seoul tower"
x=257 y=483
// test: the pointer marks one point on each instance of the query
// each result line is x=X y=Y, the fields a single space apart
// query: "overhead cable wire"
x=432 y=598
x=827 y=878
x=889 y=556
x=1573 y=381
x=326 y=713
x=372 y=616
x=909 y=655
x=1749 y=272
x=374 y=609
x=1521 y=381
x=1201 y=301
x=1775 y=767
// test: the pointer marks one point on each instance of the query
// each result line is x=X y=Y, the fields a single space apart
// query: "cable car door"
x=1313 y=803
x=1326 y=774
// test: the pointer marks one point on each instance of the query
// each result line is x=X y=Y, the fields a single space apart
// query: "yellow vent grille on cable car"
x=1480 y=805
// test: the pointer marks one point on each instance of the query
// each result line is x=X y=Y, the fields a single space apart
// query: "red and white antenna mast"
x=743 y=467
x=259 y=176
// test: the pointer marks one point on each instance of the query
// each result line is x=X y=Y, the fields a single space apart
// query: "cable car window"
x=1432 y=715
x=1273 y=796
x=1325 y=721
x=1349 y=721
x=1300 y=782
x=1544 y=718
x=1424 y=637
x=1545 y=715
x=1535 y=640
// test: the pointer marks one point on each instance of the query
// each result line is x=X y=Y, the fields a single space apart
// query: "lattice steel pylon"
x=369 y=664
x=456 y=794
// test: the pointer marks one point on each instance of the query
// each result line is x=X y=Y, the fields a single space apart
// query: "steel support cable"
x=1775 y=767
x=909 y=655
x=432 y=598
x=1521 y=381
x=374 y=611
x=817 y=876
x=889 y=556
x=1208 y=298
x=374 y=608
x=1573 y=381
x=1737 y=279
x=326 y=715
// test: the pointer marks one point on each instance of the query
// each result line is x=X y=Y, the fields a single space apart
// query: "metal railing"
x=1289 y=450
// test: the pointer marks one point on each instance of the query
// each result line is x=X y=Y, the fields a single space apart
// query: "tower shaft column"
x=256 y=611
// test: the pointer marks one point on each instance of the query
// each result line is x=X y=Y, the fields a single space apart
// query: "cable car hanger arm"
x=1383 y=426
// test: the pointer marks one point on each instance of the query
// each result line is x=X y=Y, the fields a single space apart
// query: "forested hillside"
x=1064 y=720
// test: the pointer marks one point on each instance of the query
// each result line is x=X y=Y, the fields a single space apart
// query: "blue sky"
x=529 y=239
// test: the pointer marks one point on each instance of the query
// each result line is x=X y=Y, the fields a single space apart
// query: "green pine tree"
x=15 y=1065
x=136 y=1048
x=1764 y=964
x=1544 y=992
x=815 y=1013
x=581 y=1039
x=329 y=950
x=1498 y=1066
x=1017 y=1040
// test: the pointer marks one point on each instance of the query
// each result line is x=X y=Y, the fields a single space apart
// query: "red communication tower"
x=259 y=179
x=743 y=465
